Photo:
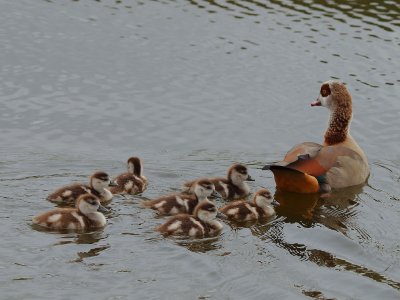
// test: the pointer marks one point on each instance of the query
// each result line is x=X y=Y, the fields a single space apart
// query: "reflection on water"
x=74 y=236
x=200 y=246
x=92 y=252
x=296 y=207
x=319 y=257
x=333 y=211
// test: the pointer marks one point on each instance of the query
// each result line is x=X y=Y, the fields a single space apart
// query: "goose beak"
x=112 y=183
x=316 y=103
x=249 y=178
x=103 y=210
x=266 y=167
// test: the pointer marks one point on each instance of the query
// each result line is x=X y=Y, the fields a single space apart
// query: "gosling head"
x=87 y=204
x=263 y=198
x=100 y=181
x=135 y=166
x=238 y=173
x=206 y=211
x=203 y=189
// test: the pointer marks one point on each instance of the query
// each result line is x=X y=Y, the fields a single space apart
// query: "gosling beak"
x=103 y=210
x=220 y=215
x=275 y=203
x=215 y=194
x=112 y=183
x=249 y=178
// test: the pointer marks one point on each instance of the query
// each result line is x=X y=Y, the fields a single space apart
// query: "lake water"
x=191 y=87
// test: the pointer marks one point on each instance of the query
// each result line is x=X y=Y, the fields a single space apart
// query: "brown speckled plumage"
x=76 y=189
x=192 y=225
x=169 y=203
x=181 y=203
x=131 y=182
x=68 y=216
x=68 y=194
x=245 y=211
x=128 y=183
x=341 y=116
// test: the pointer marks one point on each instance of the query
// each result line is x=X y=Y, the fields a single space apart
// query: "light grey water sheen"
x=191 y=87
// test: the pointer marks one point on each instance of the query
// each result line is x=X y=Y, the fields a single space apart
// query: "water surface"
x=191 y=87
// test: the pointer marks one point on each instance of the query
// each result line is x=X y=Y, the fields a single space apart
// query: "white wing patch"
x=58 y=199
x=128 y=185
x=198 y=224
x=174 y=211
x=179 y=200
x=54 y=218
x=159 y=204
x=186 y=204
x=232 y=211
x=79 y=218
x=174 y=226
x=193 y=231
x=67 y=193
x=253 y=214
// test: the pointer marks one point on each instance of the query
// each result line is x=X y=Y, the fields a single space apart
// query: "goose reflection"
x=334 y=212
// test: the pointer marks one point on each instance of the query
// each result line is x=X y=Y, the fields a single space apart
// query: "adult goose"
x=338 y=163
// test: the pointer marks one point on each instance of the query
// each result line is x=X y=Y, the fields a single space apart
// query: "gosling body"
x=133 y=181
x=98 y=186
x=260 y=208
x=230 y=188
x=182 y=203
x=83 y=216
x=201 y=224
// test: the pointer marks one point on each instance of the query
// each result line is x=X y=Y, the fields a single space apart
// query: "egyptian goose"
x=338 y=163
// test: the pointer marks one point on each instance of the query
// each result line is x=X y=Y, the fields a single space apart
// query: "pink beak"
x=316 y=103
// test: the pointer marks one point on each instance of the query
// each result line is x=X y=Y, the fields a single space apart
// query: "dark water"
x=191 y=87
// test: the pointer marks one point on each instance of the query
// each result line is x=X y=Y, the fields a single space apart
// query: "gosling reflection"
x=91 y=253
x=201 y=245
x=80 y=238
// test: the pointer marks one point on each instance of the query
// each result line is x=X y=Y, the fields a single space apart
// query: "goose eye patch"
x=325 y=90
